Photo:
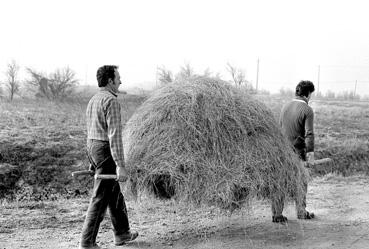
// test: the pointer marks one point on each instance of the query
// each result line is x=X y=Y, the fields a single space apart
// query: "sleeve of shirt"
x=113 y=120
x=309 y=131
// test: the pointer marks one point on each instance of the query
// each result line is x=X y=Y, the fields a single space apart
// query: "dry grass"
x=46 y=141
x=341 y=132
x=204 y=141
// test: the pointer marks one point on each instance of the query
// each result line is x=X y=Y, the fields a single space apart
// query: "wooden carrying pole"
x=105 y=177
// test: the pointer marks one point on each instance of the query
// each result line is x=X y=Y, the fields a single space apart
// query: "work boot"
x=125 y=237
x=279 y=219
x=95 y=246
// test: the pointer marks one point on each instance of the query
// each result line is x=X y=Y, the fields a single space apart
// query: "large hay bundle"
x=206 y=142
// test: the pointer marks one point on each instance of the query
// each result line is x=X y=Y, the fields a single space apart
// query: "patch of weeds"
x=350 y=159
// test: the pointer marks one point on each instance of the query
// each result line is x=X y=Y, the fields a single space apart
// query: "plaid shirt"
x=104 y=122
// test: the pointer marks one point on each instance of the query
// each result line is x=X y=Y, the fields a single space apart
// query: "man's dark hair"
x=304 y=87
x=105 y=73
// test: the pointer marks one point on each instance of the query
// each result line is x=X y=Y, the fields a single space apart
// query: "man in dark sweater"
x=297 y=122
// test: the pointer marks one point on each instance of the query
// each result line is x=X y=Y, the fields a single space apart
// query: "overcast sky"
x=290 y=38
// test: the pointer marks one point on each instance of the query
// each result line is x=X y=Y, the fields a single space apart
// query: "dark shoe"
x=123 y=238
x=95 y=246
x=279 y=219
x=306 y=216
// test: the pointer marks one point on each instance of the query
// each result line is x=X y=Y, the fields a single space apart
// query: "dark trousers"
x=106 y=195
x=278 y=201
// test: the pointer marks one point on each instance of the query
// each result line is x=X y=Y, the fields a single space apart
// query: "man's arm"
x=113 y=120
x=309 y=134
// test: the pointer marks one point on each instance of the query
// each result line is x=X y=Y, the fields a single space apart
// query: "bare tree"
x=164 y=75
x=239 y=78
x=62 y=83
x=218 y=76
x=330 y=94
x=286 y=92
x=238 y=75
x=39 y=81
x=57 y=85
x=186 y=72
x=12 y=84
x=207 y=72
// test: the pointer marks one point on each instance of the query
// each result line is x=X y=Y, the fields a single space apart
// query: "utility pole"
x=86 y=68
x=355 y=89
x=257 y=76
x=318 y=78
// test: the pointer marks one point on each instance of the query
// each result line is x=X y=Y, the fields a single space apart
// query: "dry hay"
x=204 y=141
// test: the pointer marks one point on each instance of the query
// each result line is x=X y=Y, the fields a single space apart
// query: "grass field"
x=341 y=132
x=45 y=142
x=41 y=206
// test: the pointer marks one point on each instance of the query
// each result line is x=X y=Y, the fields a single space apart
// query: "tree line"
x=54 y=86
x=328 y=95
x=238 y=75
x=60 y=83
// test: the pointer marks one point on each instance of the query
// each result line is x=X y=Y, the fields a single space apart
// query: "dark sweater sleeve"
x=309 y=131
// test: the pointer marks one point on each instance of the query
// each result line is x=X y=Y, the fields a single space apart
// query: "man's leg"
x=277 y=208
x=118 y=211
x=95 y=214
x=301 y=205
x=301 y=200
x=119 y=217
x=102 y=163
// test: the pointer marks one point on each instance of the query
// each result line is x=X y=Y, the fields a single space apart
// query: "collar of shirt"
x=104 y=89
x=301 y=99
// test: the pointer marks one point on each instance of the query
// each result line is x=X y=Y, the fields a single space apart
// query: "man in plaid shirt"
x=105 y=153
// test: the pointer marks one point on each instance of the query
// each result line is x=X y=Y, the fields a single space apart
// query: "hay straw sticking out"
x=205 y=142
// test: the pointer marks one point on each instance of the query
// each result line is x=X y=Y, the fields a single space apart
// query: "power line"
x=345 y=81
x=318 y=77
x=257 y=76
x=345 y=66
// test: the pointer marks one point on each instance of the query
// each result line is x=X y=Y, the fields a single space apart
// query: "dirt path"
x=341 y=205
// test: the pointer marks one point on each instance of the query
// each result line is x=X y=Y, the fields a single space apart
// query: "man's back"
x=103 y=121
x=96 y=115
x=296 y=120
